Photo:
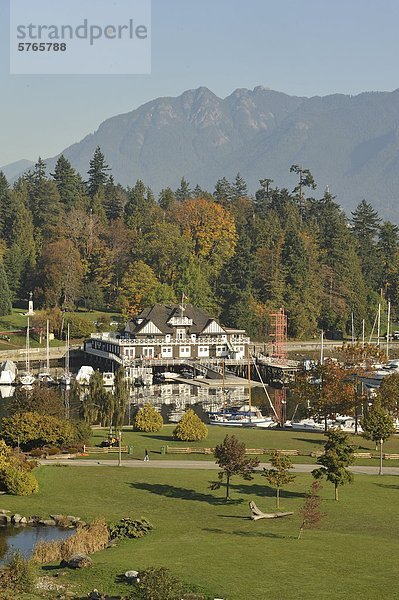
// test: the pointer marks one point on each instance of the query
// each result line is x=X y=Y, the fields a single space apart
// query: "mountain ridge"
x=349 y=142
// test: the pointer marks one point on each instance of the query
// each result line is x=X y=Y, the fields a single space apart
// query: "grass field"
x=201 y=539
x=18 y=321
x=253 y=438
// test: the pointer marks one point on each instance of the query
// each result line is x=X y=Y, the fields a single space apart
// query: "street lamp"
x=381 y=442
x=120 y=450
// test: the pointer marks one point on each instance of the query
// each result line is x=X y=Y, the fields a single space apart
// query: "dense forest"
x=97 y=245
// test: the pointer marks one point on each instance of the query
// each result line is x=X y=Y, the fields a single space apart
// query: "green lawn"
x=207 y=542
x=253 y=438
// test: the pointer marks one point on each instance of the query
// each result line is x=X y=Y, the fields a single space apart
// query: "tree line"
x=98 y=245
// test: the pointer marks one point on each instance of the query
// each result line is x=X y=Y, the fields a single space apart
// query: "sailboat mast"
x=27 y=349
x=67 y=353
x=249 y=383
x=322 y=348
x=388 y=326
x=379 y=325
x=48 y=347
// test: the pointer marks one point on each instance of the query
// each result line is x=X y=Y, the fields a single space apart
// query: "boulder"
x=131 y=575
x=3 y=511
x=48 y=522
x=16 y=518
x=23 y=521
x=77 y=561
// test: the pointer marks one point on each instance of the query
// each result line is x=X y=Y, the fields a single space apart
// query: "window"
x=180 y=334
x=203 y=351
x=185 y=351
x=167 y=352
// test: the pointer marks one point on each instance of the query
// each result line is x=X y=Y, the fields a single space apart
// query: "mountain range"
x=350 y=143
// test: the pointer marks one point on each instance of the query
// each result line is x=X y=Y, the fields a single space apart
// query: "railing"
x=199 y=341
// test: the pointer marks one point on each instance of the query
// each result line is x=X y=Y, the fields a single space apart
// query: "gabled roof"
x=160 y=315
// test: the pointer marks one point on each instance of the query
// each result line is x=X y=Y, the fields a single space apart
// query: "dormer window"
x=180 y=334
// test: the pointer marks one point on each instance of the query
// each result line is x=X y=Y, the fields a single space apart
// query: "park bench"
x=254 y=451
x=178 y=450
x=391 y=456
x=316 y=453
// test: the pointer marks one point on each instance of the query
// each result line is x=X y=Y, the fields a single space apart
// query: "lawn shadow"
x=171 y=491
x=388 y=486
x=162 y=438
x=311 y=441
x=266 y=534
x=52 y=568
x=264 y=491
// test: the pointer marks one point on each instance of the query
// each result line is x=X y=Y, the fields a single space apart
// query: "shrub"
x=156 y=584
x=148 y=419
x=18 y=577
x=33 y=430
x=52 y=450
x=190 y=428
x=19 y=482
x=129 y=528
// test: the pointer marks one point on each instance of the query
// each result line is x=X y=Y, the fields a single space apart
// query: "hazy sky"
x=301 y=47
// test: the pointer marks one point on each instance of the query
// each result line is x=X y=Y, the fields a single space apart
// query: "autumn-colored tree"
x=326 y=391
x=211 y=229
x=310 y=511
x=388 y=393
x=230 y=456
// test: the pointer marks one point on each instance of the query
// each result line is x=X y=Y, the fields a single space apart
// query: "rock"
x=3 y=520
x=77 y=561
x=16 y=518
x=48 y=522
x=131 y=574
x=23 y=521
x=3 y=511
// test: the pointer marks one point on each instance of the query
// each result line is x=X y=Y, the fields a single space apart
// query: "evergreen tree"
x=5 y=294
x=141 y=202
x=44 y=200
x=387 y=249
x=98 y=172
x=20 y=257
x=69 y=183
x=115 y=200
x=4 y=200
x=366 y=223
x=167 y=199
x=183 y=192
x=240 y=189
x=121 y=395
x=224 y=192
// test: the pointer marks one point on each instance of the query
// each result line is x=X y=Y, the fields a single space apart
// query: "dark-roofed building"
x=170 y=331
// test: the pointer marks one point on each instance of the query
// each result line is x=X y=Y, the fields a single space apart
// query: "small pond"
x=25 y=539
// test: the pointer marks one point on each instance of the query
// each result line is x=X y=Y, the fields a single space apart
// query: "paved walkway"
x=200 y=465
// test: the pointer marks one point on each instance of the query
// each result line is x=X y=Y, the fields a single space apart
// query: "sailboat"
x=27 y=378
x=66 y=378
x=241 y=416
x=45 y=377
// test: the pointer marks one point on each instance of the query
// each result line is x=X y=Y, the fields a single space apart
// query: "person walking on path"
x=146 y=455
